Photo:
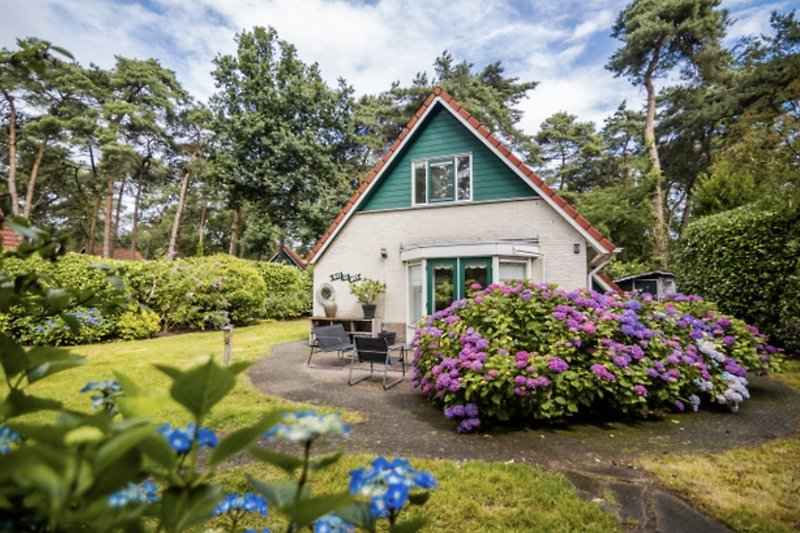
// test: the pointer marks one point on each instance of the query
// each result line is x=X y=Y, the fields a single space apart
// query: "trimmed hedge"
x=199 y=292
x=76 y=272
x=190 y=294
x=289 y=290
x=747 y=260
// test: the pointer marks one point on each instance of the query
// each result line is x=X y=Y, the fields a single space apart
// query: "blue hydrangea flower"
x=109 y=391
x=332 y=523
x=8 y=437
x=245 y=503
x=144 y=492
x=304 y=426
x=388 y=484
x=181 y=439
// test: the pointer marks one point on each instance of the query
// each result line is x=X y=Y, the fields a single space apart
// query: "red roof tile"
x=610 y=282
x=11 y=239
x=566 y=210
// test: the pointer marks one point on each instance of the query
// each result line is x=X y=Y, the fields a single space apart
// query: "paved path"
x=596 y=457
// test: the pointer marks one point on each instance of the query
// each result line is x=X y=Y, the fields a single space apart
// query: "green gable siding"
x=442 y=134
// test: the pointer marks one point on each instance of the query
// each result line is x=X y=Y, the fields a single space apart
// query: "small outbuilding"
x=448 y=206
x=658 y=283
x=287 y=256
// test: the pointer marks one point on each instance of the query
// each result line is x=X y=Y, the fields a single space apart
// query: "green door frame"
x=458 y=268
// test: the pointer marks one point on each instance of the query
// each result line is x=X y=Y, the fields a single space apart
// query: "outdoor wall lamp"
x=384 y=253
x=576 y=248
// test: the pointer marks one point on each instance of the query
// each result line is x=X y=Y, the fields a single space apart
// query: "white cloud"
x=369 y=44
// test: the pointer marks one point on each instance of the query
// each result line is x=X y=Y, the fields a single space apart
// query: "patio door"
x=450 y=279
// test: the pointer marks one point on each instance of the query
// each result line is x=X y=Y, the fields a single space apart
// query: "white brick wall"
x=356 y=249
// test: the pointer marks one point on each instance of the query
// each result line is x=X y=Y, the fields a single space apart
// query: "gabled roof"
x=292 y=255
x=438 y=96
x=650 y=274
x=606 y=282
x=11 y=239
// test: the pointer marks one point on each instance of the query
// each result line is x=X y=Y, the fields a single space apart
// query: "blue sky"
x=563 y=44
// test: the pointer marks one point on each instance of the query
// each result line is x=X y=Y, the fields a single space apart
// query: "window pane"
x=420 y=180
x=442 y=286
x=414 y=293
x=441 y=181
x=463 y=174
x=475 y=274
x=511 y=272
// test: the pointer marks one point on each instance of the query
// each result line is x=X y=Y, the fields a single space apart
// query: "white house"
x=448 y=205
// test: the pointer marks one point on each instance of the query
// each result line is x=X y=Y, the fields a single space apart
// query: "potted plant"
x=366 y=292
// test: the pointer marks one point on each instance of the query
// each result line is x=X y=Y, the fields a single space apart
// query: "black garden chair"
x=330 y=339
x=375 y=351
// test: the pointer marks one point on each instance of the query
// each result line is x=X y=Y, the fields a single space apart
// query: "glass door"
x=441 y=284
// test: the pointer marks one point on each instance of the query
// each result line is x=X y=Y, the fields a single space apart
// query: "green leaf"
x=419 y=498
x=278 y=493
x=170 y=371
x=200 y=388
x=119 y=444
x=242 y=438
x=358 y=514
x=304 y=512
x=409 y=526
x=12 y=356
x=182 y=509
x=326 y=461
x=18 y=403
x=157 y=450
x=44 y=361
x=286 y=462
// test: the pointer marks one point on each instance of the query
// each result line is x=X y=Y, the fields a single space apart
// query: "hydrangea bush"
x=534 y=352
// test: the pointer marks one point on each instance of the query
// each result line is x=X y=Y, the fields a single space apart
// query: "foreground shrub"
x=748 y=261
x=533 y=352
x=119 y=470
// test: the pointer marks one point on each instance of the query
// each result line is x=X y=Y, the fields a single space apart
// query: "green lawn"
x=749 y=489
x=136 y=359
x=473 y=495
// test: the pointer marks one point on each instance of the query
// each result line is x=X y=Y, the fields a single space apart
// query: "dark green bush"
x=289 y=290
x=747 y=260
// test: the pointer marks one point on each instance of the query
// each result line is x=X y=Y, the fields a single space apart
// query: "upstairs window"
x=442 y=179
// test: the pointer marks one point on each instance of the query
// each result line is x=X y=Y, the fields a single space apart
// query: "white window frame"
x=422 y=312
x=524 y=262
x=427 y=162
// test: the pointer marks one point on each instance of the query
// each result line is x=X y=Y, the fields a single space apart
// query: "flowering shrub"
x=534 y=352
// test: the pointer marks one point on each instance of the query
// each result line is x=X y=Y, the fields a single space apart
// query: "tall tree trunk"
x=90 y=246
x=109 y=197
x=12 y=153
x=37 y=165
x=661 y=229
x=234 y=233
x=136 y=203
x=201 y=231
x=117 y=215
x=176 y=224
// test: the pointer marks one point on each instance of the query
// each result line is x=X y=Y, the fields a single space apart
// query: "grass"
x=135 y=359
x=472 y=496
x=749 y=489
